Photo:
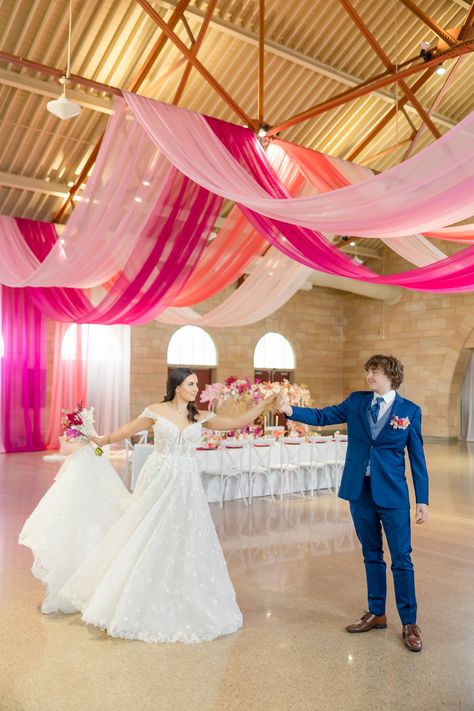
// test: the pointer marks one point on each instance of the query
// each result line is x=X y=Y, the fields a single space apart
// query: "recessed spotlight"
x=440 y=70
x=352 y=244
x=138 y=199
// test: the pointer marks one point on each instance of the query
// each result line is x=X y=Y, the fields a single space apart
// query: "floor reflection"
x=269 y=532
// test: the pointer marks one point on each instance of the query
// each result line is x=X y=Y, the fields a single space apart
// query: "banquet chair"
x=317 y=464
x=337 y=462
x=129 y=447
x=229 y=466
x=290 y=464
x=260 y=453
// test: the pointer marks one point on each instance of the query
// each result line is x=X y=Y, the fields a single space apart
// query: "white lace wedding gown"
x=159 y=574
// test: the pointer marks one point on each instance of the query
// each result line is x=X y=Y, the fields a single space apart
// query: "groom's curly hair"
x=390 y=365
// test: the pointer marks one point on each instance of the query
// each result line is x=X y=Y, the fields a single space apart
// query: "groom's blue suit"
x=378 y=449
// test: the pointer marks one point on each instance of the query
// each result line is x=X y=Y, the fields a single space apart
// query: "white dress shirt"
x=388 y=398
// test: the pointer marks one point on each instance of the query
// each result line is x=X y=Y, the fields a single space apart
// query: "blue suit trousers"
x=368 y=521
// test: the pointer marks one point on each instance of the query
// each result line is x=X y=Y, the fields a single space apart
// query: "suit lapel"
x=364 y=414
x=395 y=407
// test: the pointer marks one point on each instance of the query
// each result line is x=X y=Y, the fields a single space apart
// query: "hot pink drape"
x=23 y=372
x=166 y=254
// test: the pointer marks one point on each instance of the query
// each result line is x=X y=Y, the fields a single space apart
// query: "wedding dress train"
x=159 y=573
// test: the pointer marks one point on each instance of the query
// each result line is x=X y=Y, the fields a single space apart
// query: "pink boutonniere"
x=399 y=423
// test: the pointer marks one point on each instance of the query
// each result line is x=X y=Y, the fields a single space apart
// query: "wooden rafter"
x=373 y=84
x=261 y=60
x=466 y=26
x=160 y=43
x=156 y=17
x=354 y=152
x=195 y=49
x=50 y=71
x=442 y=34
x=360 y=24
x=387 y=151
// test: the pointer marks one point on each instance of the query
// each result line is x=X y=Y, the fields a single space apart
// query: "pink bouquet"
x=79 y=424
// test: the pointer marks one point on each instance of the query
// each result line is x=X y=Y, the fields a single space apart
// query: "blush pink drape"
x=433 y=189
x=69 y=383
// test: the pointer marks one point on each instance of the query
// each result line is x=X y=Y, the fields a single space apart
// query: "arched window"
x=97 y=343
x=274 y=352
x=191 y=345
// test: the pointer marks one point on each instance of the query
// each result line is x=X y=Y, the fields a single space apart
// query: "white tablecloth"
x=209 y=461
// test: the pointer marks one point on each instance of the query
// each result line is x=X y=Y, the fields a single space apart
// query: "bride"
x=146 y=565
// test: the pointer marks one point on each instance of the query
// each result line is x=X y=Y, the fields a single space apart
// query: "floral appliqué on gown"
x=159 y=574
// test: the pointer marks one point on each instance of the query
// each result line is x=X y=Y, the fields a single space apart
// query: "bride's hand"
x=269 y=400
x=282 y=404
x=101 y=441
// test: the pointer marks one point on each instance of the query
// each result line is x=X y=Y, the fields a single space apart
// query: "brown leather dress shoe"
x=367 y=622
x=412 y=636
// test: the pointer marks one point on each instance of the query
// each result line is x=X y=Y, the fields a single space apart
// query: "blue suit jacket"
x=386 y=453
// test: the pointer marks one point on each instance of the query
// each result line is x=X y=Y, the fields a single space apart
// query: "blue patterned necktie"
x=375 y=409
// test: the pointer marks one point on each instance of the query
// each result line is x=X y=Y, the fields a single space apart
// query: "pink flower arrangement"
x=399 y=423
x=79 y=424
x=242 y=390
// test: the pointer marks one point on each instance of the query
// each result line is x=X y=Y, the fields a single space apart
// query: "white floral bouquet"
x=79 y=424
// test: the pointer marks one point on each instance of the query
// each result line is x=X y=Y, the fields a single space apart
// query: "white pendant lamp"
x=63 y=108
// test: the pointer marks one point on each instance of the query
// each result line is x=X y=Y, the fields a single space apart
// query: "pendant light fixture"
x=63 y=108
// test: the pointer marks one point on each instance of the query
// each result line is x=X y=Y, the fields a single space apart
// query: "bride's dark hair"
x=175 y=378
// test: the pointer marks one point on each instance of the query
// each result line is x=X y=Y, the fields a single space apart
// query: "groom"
x=380 y=424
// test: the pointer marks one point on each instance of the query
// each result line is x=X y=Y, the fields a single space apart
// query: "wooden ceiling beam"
x=158 y=20
x=159 y=45
x=387 y=151
x=437 y=29
x=359 y=147
x=56 y=73
x=466 y=26
x=261 y=60
x=370 y=85
x=362 y=27
x=145 y=69
x=195 y=49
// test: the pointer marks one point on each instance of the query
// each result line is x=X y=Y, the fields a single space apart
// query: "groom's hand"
x=421 y=513
x=282 y=404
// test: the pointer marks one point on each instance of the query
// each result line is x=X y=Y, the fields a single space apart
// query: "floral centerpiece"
x=78 y=424
x=237 y=394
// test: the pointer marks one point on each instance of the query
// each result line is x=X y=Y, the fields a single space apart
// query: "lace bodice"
x=169 y=439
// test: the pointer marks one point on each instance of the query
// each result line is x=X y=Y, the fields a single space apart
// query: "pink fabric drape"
x=23 y=372
x=327 y=173
x=223 y=261
x=186 y=140
x=461 y=233
x=433 y=189
x=274 y=280
x=69 y=384
x=174 y=228
x=106 y=224
x=152 y=277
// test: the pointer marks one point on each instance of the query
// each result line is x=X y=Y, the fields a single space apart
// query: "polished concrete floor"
x=297 y=569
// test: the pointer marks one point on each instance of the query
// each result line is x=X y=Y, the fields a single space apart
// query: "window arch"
x=191 y=345
x=274 y=351
x=97 y=343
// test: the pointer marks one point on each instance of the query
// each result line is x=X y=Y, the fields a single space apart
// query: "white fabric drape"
x=108 y=376
x=467 y=402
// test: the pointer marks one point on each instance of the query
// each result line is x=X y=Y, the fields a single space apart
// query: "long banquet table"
x=209 y=459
